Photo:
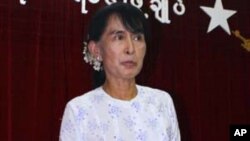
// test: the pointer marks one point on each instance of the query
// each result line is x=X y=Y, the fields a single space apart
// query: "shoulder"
x=84 y=100
x=156 y=93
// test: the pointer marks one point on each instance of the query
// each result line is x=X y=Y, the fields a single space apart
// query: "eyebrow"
x=116 y=32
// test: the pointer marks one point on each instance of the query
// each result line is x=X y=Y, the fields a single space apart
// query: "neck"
x=120 y=89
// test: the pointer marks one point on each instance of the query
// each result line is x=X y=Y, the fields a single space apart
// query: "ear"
x=94 y=49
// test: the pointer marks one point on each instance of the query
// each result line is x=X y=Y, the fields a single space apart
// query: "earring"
x=97 y=64
x=88 y=58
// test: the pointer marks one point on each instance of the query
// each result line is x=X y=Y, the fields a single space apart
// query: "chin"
x=132 y=74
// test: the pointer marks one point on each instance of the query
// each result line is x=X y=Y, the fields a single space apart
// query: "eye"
x=138 y=37
x=119 y=37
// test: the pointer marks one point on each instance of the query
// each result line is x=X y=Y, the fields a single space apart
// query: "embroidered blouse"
x=96 y=116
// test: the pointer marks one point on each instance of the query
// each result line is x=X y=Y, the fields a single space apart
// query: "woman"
x=119 y=110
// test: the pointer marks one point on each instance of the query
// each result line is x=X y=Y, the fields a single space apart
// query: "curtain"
x=42 y=67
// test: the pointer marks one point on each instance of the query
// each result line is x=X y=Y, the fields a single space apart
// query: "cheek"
x=110 y=55
x=142 y=52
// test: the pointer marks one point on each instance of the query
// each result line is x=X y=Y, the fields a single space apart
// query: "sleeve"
x=174 y=127
x=69 y=130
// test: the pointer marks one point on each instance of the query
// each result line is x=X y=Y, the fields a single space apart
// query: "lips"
x=129 y=64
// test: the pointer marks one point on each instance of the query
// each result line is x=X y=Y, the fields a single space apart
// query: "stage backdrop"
x=195 y=56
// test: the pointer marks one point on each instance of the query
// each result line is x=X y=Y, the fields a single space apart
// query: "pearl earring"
x=88 y=58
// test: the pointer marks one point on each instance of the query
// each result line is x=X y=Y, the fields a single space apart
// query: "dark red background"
x=41 y=67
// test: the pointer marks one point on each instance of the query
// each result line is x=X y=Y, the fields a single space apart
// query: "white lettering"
x=84 y=10
x=243 y=131
x=109 y=2
x=83 y=3
x=23 y=2
x=161 y=9
x=93 y=1
x=181 y=6
x=237 y=132
x=139 y=3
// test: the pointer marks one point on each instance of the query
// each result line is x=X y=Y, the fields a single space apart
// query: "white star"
x=218 y=16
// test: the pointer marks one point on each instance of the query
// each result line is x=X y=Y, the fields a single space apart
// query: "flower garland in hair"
x=90 y=59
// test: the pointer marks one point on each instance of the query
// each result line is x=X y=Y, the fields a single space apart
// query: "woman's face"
x=122 y=52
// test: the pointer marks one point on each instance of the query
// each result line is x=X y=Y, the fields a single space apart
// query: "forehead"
x=114 y=23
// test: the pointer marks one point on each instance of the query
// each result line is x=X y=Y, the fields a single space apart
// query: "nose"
x=130 y=49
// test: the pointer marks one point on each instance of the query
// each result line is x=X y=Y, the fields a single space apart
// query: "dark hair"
x=131 y=17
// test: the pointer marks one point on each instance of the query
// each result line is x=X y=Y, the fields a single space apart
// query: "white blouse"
x=96 y=116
